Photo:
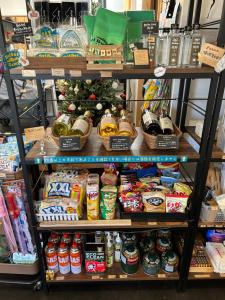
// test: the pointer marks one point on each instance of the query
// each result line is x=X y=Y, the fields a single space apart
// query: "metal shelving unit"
x=95 y=153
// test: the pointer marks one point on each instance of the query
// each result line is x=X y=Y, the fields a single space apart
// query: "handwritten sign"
x=141 y=57
x=34 y=133
x=210 y=54
x=22 y=29
x=120 y=142
x=150 y=27
x=69 y=143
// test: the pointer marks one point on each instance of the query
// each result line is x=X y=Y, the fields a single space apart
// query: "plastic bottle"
x=109 y=253
x=118 y=246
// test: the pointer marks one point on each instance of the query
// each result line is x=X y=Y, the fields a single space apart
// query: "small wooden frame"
x=96 y=53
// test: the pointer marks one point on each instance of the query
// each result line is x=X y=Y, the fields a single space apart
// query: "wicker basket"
x=83 y=139
x=151 y=140
x=106 y=140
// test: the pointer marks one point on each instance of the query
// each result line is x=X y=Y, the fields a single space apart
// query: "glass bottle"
x=187 y=46
x=175 y=46
x=81 y=125
x=62 y=126
x=196 y=46
x=150 y=123
x=162 y=48
x=166 y=124
x=108 y=124
x=125 y=127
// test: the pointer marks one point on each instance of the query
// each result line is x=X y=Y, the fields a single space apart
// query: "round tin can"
x=130 y=259
x=128 y=238
x=164 y=233
x=147 y=245
x=151 y=263
x=163 y=245
x=170 y=262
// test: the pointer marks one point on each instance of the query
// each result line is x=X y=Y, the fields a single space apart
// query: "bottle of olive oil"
x=81 y=125
x=62 y=126
x=125 y=127
x=108 y=124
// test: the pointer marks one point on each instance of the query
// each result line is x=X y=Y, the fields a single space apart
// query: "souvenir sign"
x=12 y=59
x=70 y=40
x=210 y=54
x=141 y=58
x=45 y=37
x=34 y=133
x=22 y=29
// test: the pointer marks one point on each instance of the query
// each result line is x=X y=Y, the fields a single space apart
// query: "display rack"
x=95 y=153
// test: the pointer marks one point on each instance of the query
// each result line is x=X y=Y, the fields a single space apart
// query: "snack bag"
x=92 y=192
x=108 y=202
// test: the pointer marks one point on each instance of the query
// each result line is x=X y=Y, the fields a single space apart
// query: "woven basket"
x=151 y=140
x=106 y=140
x=83 y=139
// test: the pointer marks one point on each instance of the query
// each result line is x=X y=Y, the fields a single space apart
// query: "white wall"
x=13 y=8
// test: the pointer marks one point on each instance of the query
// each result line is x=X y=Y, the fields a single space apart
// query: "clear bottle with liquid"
x=196 y=46
x=187 y=47
x=162 y=48
x=175 y=46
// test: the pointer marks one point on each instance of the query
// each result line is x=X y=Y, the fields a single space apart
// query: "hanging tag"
x=106 y=74
x=28 y=73
x=159 y=72
x=75 y=73
x=58 y=72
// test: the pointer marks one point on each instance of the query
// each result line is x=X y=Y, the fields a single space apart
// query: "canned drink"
x=51 y=258
x=63 y=259
x=75 y=259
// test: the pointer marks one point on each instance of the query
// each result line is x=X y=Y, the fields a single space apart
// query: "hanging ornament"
x=76 y=89
x=66 y=83
x=61 y=97
x=71 y=107
x=114 y=109
x=92 y=97
x=71 y=88
x=99 y=106
x=115 y=85
x=79 y=108
x=89 y=81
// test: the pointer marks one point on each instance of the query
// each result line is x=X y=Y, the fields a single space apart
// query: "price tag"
x=95 y=277
x=75 y=73
x=203 y=225
x=209 y=54
x=167 y=141
x=161 y=275
x=141 y=58
x=111 y=276
x=58 y=72
x=69 y=143
x=150 y=27
x=120 y=142
x=106 y=74
x=123 y=276
x=202 y=275
x=34 y=133
x=152 y=223
x=28 y=73
x=60 y=278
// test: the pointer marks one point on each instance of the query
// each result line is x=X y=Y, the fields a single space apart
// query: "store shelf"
x=206 y=276
x=106 y=224
x=94 y=152
x=43 y=69
x=217 y=154
x=203 y=224
x=113 y=274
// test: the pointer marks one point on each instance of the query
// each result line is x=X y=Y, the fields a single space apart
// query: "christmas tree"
x=78 y=96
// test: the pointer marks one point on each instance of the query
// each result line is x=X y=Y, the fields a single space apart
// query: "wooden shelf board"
x=205 y=276
x=113 y=274
x=94 y=150
x=202 y=224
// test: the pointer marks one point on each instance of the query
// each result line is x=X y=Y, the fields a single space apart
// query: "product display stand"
x=93 y=154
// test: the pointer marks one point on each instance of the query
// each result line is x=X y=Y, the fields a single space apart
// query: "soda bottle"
x=51 y=257
x=63 y=259
x=75 y=259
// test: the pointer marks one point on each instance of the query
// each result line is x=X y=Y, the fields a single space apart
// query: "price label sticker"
x=203 y=225
x=123 y=276
x=34 y=133
x=75 y=73
x=161 y=275
x=95 y=277
x=202 y=275
x=111 y=276
x=152 y=223
x=58 y=72
x=106 y=74
x=60 y=278
x=28 y=73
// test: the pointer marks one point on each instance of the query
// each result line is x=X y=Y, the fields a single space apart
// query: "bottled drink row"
x=174 y=47
x=99 y=251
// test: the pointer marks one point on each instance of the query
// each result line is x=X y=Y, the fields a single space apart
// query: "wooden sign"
x=22 y=29
x=141 y=58
x=34 y=133
x=210 y=54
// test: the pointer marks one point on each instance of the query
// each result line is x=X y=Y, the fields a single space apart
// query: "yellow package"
x=92 y=194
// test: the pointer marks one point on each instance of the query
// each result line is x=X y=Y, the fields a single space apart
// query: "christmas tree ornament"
x=114 y=109
x=61 y=97
x=72 y=107
x=115 y=85
x=92 y=97
x=99 y=106
x=89 y=81
x=71 y=88
x=79 y=108
x=76 y=89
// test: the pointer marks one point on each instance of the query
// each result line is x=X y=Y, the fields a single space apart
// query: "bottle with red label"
x=51 y=257
x=63 y=258
x=75 y=259
x=66 y=238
